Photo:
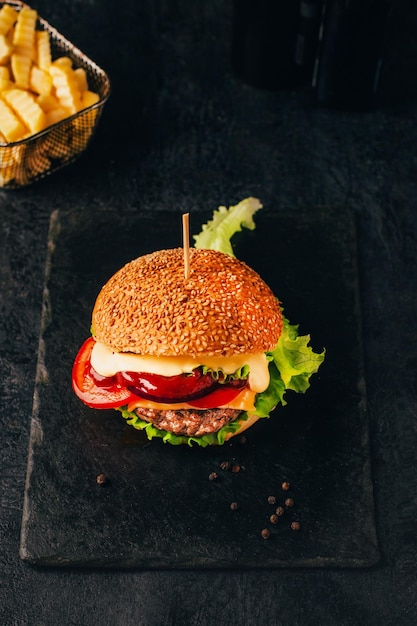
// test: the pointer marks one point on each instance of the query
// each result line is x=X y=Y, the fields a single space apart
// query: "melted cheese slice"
x=245 y=401
x=107 y=363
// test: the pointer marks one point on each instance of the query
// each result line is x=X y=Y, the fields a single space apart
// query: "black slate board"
x=159 y=508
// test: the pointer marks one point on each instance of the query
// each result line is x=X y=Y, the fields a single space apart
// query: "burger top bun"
x=223 y=308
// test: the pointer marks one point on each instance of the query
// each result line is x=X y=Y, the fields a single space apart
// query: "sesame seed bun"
x=223 y=308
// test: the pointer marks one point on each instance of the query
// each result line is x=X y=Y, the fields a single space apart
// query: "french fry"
x=56 y=115
x=10 y=125
x=26 y=107
x=37 y=164
x=21 y=65
x=63 y=62
x=66 y=87
x=7 y=174
x=47 y=102
x=43 y=50
x=37 y=92
x=5 y=84
x=8 y=17
x=40 y=81
x=55 y=148
x=89 y=98
x=24 y=34
x=5 y=49
x=80 y=76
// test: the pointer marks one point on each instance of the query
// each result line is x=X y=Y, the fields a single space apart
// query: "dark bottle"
x=350 y=53
x=307 y=39
x=263 y=42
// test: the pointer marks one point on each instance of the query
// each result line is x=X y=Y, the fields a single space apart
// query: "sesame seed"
x=224 y=307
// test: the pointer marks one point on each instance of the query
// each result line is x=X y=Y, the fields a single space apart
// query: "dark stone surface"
x=180 y=131
x=159 y=497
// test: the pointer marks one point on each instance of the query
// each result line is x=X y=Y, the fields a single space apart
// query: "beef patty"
x=189 y=422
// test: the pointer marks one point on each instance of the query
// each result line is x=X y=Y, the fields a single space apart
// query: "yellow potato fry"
x=56 y=115
x=10 y=125
x=62 y=62
x=47 y=102
x=26 y=108
x=24 y=34
x=5 y=84
x=21 y=65
x=7 y=175
x=80 y=76
x=4 y=72
x=8 y=17
x=5 y=49
x=18 y=152
x=89 y=98
x=40 y=81
x=54 y=147
x=37 y=163
x=11 y=155
x=43 y=49
x=66 y=88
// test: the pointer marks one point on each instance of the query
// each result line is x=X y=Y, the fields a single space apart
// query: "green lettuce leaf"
x=217 y=438
x=221 y=377
x=217 y=233
x=291 y=365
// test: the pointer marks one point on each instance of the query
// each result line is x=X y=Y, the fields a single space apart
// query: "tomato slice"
x=198 y=390
x=94 y=392
x=169 y=389
x=222 y=395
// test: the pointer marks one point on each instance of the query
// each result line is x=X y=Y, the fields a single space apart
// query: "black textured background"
x=181 y=132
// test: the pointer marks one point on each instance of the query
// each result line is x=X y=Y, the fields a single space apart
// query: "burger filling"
x=191 y=402
x=189 y=422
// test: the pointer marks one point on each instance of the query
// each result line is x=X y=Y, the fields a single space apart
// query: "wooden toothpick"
x=186 y=244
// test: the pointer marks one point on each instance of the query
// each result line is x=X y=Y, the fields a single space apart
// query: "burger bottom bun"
x=244 y=425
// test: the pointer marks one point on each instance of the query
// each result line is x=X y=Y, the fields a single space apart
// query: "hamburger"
x=194 y=358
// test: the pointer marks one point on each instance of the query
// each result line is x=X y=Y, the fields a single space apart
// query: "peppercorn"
x=265 y=533
x=271 y=499
x=289 y=502
x=235 y=468
x=101 y=479
x=273 y=518
x=295 y=525
x=213 y=475
x=225 y=465
x=234 y=506
x=279 y=511
x=285 y=485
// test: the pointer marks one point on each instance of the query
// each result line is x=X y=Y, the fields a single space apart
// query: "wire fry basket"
x=25 y=161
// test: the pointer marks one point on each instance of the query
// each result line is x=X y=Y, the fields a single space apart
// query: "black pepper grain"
x=295 y=526
x=279 y=511
x=273 y=518
x=101 y=479
x=234 y=506
x=213 y=475
x=265 y=532
x=235 y=468
x=272 y=499
x=225 y=465
x=289 y=502
x=285 y=485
